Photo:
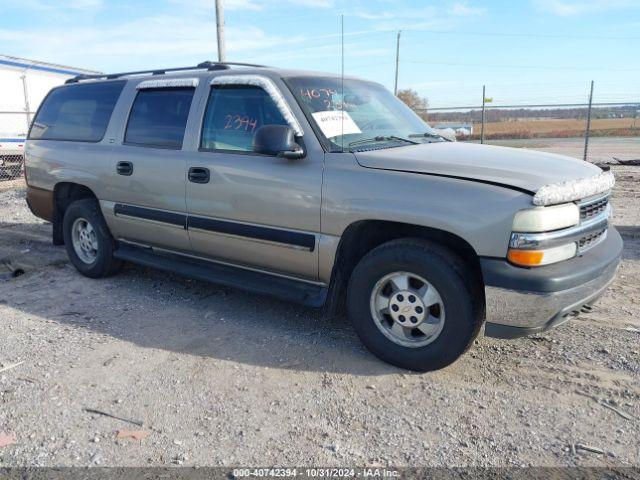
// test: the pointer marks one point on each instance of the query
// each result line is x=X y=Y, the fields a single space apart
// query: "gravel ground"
x=220 y=377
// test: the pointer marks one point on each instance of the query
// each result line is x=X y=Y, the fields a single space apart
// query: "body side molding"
x=302 y=240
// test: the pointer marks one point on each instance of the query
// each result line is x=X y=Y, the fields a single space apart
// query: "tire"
x=100 y=262
x=452 y=323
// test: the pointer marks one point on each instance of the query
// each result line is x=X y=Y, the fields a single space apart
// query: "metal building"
x=23 y=85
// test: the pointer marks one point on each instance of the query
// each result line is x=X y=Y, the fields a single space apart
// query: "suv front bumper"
x=521 y=301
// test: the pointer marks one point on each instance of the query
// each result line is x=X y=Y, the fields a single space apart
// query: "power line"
x=535 y=67
x=542 y=105
x=531 y=35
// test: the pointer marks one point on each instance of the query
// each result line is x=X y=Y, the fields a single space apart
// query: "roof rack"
x=207 y=65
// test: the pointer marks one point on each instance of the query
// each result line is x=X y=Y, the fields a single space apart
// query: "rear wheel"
x=87 y=239
x=411 y=304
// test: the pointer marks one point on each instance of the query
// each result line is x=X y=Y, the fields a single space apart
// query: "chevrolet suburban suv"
x=321 y=190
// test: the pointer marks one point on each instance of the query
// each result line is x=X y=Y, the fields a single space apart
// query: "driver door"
x=249 y=209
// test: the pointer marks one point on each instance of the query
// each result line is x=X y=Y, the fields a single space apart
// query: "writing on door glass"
x=240 y=122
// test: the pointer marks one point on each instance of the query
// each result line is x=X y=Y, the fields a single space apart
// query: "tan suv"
x=325 y=191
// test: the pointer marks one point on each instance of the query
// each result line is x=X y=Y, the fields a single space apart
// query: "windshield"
x=366 y=116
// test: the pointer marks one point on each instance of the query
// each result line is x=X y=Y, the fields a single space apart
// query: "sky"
x=528 y=51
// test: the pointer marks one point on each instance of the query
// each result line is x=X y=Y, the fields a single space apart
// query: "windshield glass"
x=367 y=114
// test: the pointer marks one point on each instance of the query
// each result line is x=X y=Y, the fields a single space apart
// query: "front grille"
x=593 y=209
x=591 y=239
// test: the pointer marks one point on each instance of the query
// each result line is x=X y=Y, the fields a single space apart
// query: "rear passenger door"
x=148 y=166
x=252 y=210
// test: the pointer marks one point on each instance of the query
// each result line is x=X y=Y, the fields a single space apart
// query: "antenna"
x=342 y=84
x=395 y=86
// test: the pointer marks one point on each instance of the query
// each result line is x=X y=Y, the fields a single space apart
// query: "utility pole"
x=222 y=57
x=586 y=133
x=395 y=88
x=482 y=121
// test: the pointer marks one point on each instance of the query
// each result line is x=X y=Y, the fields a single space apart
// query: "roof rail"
x=206 y=65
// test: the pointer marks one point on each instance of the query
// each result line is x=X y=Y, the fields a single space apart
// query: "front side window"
x=79 y=112
x=158 y=117
x=233 y=115
x=358 y=114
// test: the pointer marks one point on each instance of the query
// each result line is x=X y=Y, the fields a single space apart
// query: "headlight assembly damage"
x=544 y=235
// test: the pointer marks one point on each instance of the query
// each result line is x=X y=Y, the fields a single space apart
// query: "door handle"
x=199 y=175
x=124 y=168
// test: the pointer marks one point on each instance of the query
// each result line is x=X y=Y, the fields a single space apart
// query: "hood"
x=515 y=167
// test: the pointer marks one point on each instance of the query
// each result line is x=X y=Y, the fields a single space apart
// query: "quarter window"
x=78 y=113
x=233 y=115
x=159 y=117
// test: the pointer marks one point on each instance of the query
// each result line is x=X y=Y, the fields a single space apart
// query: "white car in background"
x=11 y=156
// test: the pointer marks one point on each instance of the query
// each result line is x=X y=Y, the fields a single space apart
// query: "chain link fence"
x=537 y=121
x=11 y=167
x=12 y=143
x=490 y=123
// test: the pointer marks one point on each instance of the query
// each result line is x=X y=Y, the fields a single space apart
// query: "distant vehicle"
x=460 y=129
x=325 y=191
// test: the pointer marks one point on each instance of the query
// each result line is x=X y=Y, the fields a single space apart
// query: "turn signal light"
x=537 y=258
x=529 y=258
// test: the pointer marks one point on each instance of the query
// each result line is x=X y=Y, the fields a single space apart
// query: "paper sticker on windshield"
x=334 y=123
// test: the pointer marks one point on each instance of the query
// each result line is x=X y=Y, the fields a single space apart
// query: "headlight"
x=546 y=219
x=532 y=225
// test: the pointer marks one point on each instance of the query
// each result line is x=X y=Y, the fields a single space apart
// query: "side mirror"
x=277 y=140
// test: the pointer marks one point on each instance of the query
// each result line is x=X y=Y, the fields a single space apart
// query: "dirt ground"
x=221 y=377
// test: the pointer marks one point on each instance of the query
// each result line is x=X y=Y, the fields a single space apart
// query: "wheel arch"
x=362 y=236
x=64 y=194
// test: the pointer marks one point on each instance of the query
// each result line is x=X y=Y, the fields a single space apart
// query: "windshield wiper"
x=381 y=138
x=427 y=135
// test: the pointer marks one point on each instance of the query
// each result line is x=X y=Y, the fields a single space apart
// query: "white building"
x=23 y=85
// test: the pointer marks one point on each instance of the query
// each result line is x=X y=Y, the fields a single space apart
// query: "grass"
x=558 y=128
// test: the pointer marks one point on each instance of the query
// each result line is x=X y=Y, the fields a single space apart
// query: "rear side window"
x=234 y=113
x=78 y=113
x=159 y=117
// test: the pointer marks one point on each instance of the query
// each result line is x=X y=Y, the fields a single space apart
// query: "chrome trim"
x=536 y=309
x=537 y=241
x=542 y=240
x=588 y=201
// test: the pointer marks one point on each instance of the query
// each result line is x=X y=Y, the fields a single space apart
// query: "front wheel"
x=87 y=239
x=411 y=304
